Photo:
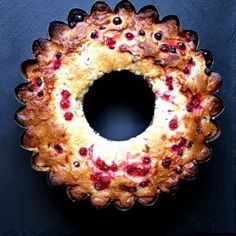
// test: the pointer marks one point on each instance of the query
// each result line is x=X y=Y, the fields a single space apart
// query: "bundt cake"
x=75 y=55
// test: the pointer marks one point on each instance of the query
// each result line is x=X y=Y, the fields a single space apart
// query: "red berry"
x=65 y=103
x=110 y=42
x=65 y=93
x=182 y=141
x=189 y=107
x=100 y=177
x=166 y=162
x=175 y=147
x=114 y=167
x=101 y=164
x=134 y=170
x=99 y=186
x=169 y=82
x=180 y=152
x=58 y=149
x=164 y=48
x=131 y=169
x=104 y=179
x=68 y=116
x=144 y=171
x=173 y=124
x=83 y=151
x=100 y=181
x=146 y=160
x=138 y=172
x=196 y=101
x=56 y=64
x=129 y=36
x=180 y=146
x=186 y=70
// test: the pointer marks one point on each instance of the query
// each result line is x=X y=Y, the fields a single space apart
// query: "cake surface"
x=78 y=53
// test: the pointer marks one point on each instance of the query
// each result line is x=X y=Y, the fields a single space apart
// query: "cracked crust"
x=76 y=54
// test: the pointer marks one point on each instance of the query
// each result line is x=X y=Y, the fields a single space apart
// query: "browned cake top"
x=80 y=52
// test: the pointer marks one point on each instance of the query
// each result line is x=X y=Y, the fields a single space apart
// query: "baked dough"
x=75 y=55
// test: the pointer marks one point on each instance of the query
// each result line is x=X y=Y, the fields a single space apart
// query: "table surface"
x=28 y=205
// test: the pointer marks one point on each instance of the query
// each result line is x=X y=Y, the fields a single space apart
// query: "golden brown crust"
x=77 y=54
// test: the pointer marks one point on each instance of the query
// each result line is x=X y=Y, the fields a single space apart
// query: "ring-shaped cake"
x=75 y=55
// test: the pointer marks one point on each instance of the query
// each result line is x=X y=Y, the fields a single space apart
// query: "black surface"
x=120 y=105
x=28 y=205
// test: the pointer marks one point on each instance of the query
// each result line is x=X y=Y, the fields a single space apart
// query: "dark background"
x=28 y=205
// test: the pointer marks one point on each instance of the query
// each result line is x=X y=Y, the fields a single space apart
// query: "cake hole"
x=119 y=105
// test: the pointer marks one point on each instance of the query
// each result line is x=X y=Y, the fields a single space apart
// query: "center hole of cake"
x=119 y=105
